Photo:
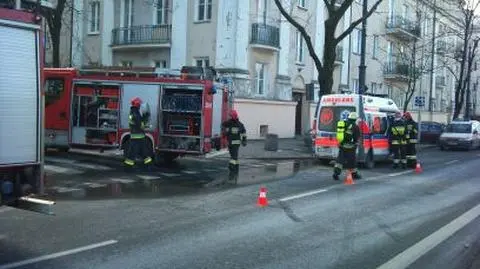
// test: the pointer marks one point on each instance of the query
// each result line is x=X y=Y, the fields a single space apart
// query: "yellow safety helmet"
x=352 y=116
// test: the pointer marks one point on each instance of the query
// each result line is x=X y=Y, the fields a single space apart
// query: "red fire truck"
x=89 y=108
x=21 y=106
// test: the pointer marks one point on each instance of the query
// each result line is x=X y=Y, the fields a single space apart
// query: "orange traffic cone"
x=349 y=178
x=418 y=168
x=262 y=197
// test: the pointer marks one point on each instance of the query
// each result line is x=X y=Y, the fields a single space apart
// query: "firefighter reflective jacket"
x=398 y=132
x=348 y=134
x=412 y=131
x=235 y=132
x=136 y=124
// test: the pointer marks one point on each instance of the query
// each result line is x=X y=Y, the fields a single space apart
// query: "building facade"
x=266 y=58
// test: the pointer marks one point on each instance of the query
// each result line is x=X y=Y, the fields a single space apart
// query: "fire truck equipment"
x=186 y=112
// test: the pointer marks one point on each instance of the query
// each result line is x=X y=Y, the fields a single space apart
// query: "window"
x=356 y=40
x=127 y=15
x=126 y=63
x=300 y=48
x=375 y=47
x=204 y=10
x=380 y=125
x=54 y=87
x=202 y=62
x=355 y=85
x=94 y=27
x=162 y=12
x=373 y=88
x=260 y=78
x=160 y=64
x=302 y=3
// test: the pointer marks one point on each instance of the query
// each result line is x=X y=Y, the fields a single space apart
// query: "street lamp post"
x=362 y=75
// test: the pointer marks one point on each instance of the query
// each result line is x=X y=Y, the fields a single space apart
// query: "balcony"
x=396 y=71
x=265 y=36
x=402 y=28
x=440 y=81
x=144 y=36
x=339 y=55
x=441 y=47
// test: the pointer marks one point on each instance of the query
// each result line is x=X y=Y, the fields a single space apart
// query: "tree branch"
x=303 y=32
x=354 y=24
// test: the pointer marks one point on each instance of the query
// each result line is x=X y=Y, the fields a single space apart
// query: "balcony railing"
x=440 y=81
x=142 y=35
x=339 y=54
x=396 y=70
x=266 y=35
x=441 y=47
x=402 y=27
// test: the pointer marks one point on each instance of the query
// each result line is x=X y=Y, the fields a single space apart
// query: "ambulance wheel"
x=369 y=163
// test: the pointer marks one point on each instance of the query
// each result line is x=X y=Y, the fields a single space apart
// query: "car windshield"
x=459 y=128
x=330 y=115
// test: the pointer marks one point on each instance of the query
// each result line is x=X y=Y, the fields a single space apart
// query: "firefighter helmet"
x=136 y=102
x=233 y=114
x=407 y=115
x=352 y=116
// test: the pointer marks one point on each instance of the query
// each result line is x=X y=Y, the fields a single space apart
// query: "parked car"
x=461 y=135
x=430 y=131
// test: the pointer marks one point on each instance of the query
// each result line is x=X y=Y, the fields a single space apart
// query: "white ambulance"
x=374 y=109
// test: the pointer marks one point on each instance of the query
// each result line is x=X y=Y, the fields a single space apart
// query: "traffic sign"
x=419 y=101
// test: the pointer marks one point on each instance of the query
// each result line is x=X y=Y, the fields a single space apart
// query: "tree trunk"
x=55 y=36
x=329 y=54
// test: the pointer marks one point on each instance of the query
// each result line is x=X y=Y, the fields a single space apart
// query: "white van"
x=460 y=135
x=335 y=107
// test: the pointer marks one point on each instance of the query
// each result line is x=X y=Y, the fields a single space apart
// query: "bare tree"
x=336 y=10
x=464 y=54
x=54 y=19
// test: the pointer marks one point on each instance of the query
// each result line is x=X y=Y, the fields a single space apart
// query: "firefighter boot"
x=404 y=164
x=336 y=173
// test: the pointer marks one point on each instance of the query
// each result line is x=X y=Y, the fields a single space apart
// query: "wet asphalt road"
x=210 y=225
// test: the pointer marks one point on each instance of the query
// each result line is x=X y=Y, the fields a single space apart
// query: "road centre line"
x=301 y=195
x=57 y=254
x=453 y=161
x=410 y=255
x=399 y=173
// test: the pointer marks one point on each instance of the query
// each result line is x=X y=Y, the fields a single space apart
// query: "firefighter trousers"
x=411 y=154
x=346 y=159
x=137 y=147
x=399 y=156
x=233 y=164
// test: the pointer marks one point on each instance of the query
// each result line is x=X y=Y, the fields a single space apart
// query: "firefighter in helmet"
x=137 y=146
x=235 y=132
x=398 y=135
x=411 y=139
x=348 y=137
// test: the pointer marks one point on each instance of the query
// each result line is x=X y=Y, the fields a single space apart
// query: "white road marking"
x=218 y=153
x=450 y=162
x=210 y=170
x=61 y=170
x=301 y=195
x=256 y=165
x=399 y=173
x=94 y=185
x=146 y=177
x=57 y=255
x=169 y=174
x=410 y=255
x=79 y=164
x=122 y=180
x=190 y=172
x=64 y=189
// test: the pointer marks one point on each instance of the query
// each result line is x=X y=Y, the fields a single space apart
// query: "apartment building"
x=265 y=56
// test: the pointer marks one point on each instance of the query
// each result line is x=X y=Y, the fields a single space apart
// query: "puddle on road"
x=151 y=186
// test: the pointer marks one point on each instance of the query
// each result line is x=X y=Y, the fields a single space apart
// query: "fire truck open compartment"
x=95 y=114
x=181 y=119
